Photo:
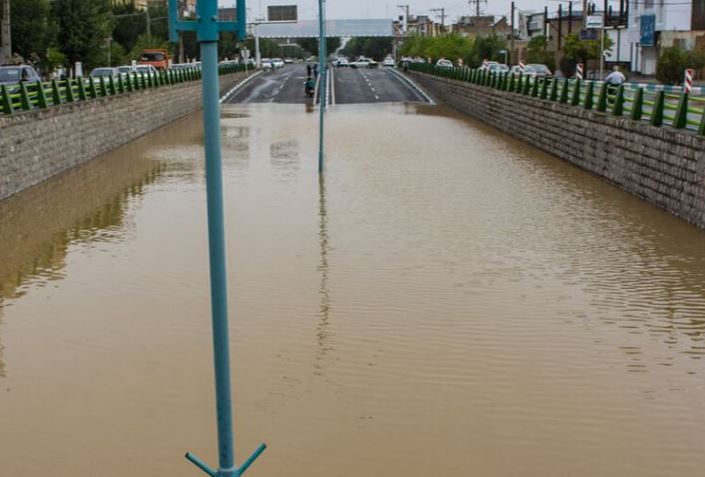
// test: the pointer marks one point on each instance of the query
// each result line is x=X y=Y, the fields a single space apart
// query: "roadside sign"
x=594 y=22
x=588 y=35
x=282 y=13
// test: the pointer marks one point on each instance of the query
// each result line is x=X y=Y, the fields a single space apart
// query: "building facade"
x=657 y=24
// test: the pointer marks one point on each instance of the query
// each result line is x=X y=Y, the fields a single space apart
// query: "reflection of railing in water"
x=324 y=292
x=37 y=226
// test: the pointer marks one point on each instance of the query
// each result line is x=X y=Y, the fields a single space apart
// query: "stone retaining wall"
x=663 y=166
x=37 y=145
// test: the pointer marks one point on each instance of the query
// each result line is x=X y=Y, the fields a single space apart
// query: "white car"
x=361 y=62
x=144 y=69
x=267 y=64
x=498 y=68
x=341 y=62
x=488 y=65
x=277 y=63
x=444 y=64
x=389 y=61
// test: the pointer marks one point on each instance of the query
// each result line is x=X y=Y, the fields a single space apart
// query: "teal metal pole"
x=322 y=55
x=216 y=244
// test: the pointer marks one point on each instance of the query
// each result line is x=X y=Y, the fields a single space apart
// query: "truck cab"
x=159 y=58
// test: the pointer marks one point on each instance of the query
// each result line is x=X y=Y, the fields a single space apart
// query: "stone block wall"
x=663 y=166
x=37 y=145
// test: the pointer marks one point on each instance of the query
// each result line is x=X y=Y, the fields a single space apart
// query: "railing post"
x=680 y=121
x=701 y=129
x=82 y=93
x=602 y=99
x=103 y=87
x=589 y=93
x=24 y=97
x=575 y=101
x=618 y=107
x=657 y=113
x=93 y=92
x=563 y=99
x=55 y=93
x=535 y=88
x=527 y=86
x=554 y=90
x=70 y=98
x=41 y=95
x=544 y=88
x=6 y=100
x=638 y=105
x=111 y=86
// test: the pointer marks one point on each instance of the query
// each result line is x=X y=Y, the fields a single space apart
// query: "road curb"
x=237 y=87
x=413 y=84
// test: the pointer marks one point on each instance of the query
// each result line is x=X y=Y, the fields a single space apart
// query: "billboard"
x=647 y=30
x=594 y=21
x=282 y=13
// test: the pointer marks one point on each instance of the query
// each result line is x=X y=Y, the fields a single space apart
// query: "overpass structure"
x=333 y=28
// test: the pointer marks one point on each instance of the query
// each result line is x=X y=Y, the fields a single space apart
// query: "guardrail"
x=658 y=107
x=40 y=95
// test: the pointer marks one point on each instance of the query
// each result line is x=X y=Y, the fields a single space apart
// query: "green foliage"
x=415 y=46
x=584 y=50
x=537 y=53
x=84 y=26
x=54 y=59
x=33 y=29
x=310 y=45
x=486 y=47
x=376 y=48
x=673 y=62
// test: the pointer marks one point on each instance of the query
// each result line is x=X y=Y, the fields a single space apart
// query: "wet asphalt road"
x=350 y=86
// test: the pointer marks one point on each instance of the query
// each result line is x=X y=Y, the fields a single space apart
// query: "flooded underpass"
x=447 y=302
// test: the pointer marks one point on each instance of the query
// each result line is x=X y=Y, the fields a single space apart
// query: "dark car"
x=12 y=75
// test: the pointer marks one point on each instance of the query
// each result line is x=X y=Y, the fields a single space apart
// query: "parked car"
x=488 y=64
x=126 y=69
x=267 y=64
x=389 y=62
x=498 y=68
x=532 y=70
x=146 y=69
x=10 y=75
x=104 y=72
x=341 y=61
x=361 y=62
x=444 y=64
x=288 y=61
x=277 y=63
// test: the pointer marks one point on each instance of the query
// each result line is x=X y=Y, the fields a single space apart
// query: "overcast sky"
x=339 y=9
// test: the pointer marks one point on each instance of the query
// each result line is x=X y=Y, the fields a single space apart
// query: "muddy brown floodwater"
x=449 y=302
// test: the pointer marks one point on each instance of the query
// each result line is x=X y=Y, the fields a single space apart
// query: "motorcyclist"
x=615 y=78
x=310 y=86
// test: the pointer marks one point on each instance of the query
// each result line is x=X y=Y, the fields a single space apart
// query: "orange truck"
x=158 y=58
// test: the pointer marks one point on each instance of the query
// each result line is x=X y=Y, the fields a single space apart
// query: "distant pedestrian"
x=308 y=70
x=615 y=78
x=315 y=71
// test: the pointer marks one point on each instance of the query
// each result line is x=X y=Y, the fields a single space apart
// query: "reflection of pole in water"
x=324 y=292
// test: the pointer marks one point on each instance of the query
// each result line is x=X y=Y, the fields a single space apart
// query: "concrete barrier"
x=38 y=145
x=663 y=166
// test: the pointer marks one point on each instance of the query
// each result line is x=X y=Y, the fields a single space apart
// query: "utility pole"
x=477 y=5
x=405 y=9
x=441 y=12
x=149 y=21
x=6 y=33
x=511 y=38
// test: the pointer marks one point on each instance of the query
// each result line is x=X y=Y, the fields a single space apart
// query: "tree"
x=486 y=48
x=371 y=47
x=584 y=50
x=536 y=52
x=84 y=27
x=33 y=30
x=311 y=45
x=673 y=62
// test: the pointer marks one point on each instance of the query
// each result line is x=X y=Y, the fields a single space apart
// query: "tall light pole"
x=208 y=29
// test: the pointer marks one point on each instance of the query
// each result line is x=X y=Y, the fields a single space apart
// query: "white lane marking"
x=237 y=87
x=402 y=77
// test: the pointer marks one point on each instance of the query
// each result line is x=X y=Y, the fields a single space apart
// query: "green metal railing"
x=40 y=95
x=659 y=108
